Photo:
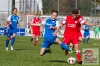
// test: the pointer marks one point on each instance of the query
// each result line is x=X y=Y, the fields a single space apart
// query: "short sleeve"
x=80 y=19
x=64 y=20
x=84 y=27
x=82 y=22
x=43 y=22
x=57 y=24
x=9 y=18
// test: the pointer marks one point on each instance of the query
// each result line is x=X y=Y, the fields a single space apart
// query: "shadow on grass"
x=59 y=61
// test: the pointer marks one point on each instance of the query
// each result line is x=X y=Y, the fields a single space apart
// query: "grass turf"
x=26 y=54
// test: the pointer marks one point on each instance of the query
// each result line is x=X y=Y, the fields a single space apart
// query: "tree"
x=85 y=7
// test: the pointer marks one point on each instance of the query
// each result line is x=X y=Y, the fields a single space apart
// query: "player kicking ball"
x=79 y=19
x=12 y=28
x=50 y=33
x=70 y=34
x=35 y=29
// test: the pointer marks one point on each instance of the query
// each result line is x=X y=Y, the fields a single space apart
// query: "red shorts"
x=36 y=33
x=79 y=34
x=70 y=39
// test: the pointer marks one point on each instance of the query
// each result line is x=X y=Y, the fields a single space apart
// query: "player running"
x=51 y=28
x=36 y=29
x=12 y=30
x=70 y=33
x=86 y=35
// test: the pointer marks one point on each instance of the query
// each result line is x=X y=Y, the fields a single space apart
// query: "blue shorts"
x=48 y=40
x=11 y=32
x=86 y=34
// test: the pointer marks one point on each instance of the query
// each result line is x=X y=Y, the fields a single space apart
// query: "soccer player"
x=36 y=29
x=13 y=22
x=96 y=31
x=70 y=34
x=79 y=19
x=86 y=34
x=51 y=28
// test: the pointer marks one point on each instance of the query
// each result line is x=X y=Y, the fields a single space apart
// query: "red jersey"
x=36 y=21
x=79 y=19
x=71 y=25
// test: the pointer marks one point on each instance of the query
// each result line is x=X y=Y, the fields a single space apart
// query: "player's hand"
x=19 y=25
x=51 y=27
x=9 y=23
x=29 y=23
x=54 y=33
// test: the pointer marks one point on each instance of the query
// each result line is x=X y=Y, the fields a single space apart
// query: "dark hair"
x=37 y=14
x=14 y=9
x=54 y=11
x=75 y=11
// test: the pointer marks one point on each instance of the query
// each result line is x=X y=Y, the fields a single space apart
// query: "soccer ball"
x=71 y=60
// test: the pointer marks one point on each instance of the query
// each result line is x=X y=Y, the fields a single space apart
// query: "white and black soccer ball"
x=71 y=60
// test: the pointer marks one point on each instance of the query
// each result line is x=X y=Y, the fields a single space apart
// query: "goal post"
x=28 y=28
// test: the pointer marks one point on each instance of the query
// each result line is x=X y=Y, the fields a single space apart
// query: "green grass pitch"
x=26 y=54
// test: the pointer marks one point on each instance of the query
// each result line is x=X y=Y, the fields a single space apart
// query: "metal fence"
x=29 y=6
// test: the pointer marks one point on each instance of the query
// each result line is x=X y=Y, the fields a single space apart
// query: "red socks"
x=78 y=55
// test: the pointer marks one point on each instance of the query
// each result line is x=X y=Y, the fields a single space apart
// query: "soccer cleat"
x=79 y=62
x=71 y=51
x=11 y=47
x=31 y=39
x=6 y=48
x=49 y=50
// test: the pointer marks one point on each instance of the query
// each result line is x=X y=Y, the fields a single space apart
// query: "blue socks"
x=12 y=41
x=7 y=42
x=63 y=45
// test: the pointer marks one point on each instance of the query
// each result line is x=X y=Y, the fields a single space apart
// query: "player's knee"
x=76 y=47
x=57 y=41
x=36 y=39
x=14 y=35
x=78 y=51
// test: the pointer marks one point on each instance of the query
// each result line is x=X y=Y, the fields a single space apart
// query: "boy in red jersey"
x=79 y=19
x=70 y=34
x=36 y=29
